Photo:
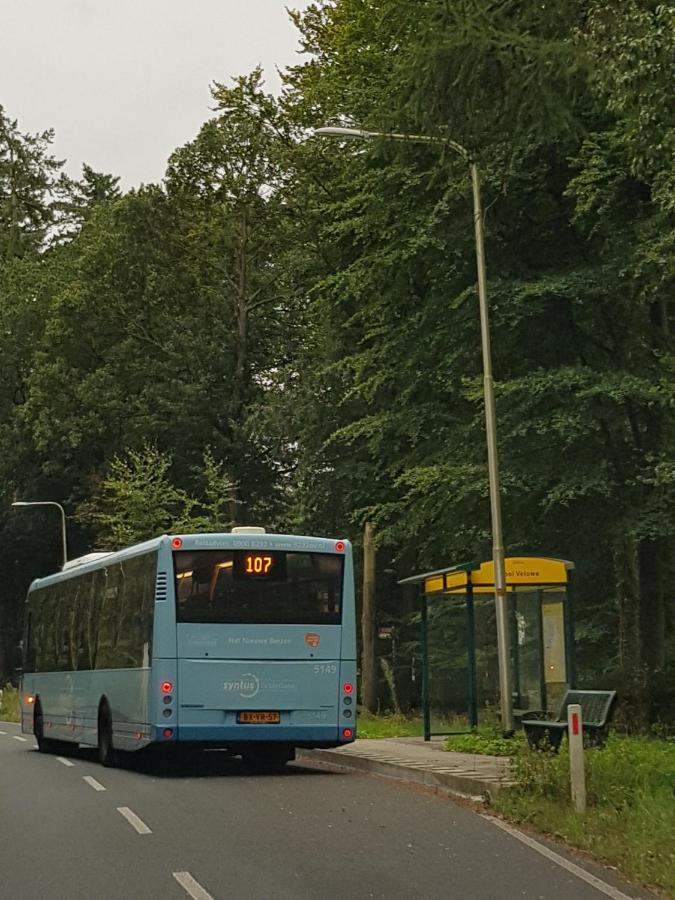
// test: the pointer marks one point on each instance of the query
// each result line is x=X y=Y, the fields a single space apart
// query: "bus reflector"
x=348 y=688
x=340 y=547
x=167 y=687
x=347 y=733
x=176 y=543
x=168 y=732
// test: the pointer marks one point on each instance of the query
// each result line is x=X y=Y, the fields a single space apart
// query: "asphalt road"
x=214 y=830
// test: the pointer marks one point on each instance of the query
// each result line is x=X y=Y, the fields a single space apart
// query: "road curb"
x=467 y=787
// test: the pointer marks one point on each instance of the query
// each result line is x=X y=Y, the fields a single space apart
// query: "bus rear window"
x=258 y=587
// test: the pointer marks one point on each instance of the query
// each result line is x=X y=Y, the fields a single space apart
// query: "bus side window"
x=29 y=643
x=50 y=662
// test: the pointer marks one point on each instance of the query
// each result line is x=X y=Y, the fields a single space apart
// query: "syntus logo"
x=247 y=686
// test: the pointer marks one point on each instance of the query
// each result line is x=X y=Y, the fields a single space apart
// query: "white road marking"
x=18 y=737
x=3 y=732
x=193 y=888
x=597 y=883
x=133 y=820
x=92 y=782
x=66 y=762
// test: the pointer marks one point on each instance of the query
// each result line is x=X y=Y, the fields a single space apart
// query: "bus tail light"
x=167 y=687
x=339 y=546
x=176 y=543
x=29 y=699
x=348 y=733
x=348 y=688
x=168 y=732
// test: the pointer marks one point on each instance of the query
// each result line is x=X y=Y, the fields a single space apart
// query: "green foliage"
x=580 y=251
x=307 y=310
x=10 y=704
x=137 y=500
x=395 y=725
x=490 y=743
x=631 y=815
x=33 y=190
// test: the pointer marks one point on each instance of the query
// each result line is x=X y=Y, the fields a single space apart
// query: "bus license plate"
x=259 y=718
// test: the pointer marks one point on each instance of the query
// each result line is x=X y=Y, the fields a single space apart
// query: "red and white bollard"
x=575 y=737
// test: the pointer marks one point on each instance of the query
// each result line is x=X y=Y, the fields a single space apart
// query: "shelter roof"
x=522 y=573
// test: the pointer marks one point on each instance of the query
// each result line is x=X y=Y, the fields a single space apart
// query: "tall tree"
x=227 y=187
x=583 y=365
x=33 y=189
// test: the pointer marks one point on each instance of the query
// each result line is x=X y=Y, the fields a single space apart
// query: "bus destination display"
x=258 y=566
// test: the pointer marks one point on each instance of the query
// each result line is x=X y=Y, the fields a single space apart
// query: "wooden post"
x=368 y=665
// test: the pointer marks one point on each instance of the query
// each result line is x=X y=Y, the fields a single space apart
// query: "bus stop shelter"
x=541 y=634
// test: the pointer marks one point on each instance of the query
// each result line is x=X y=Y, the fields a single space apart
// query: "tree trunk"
x=240 y=368
x=652 y=607
x=368 y=663
x=4 y=672
x=626 y=580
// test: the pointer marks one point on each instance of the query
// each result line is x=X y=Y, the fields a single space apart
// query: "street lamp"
x=488 y=393
x=63 y=519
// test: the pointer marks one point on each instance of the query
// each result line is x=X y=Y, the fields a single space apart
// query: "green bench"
x=597 y=708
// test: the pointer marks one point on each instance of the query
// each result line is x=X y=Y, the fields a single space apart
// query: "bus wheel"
x=106 y=751
x=45 y=745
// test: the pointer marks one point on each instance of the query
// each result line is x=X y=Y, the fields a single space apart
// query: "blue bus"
x=244 y=641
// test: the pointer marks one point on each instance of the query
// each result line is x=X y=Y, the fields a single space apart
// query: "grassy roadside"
x=396 y=725
x=10 y=710
x=630 y=819
x=630 y=785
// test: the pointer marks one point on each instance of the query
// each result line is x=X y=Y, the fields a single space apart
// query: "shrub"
x=10 y=708
x=630 y=819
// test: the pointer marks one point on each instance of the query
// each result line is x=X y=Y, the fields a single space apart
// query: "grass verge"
x=630 y=819
x=397 y=725
x=488 y=741
x=10 y=710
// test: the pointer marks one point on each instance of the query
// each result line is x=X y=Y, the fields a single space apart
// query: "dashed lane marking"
x=64 y=761
x=17 y=737
x=133 y=820
x=3 y=732
x=192 y=887
x=597 y=883
x=92 y=782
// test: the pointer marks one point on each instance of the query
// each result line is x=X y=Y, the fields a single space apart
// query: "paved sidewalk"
x=466 y=775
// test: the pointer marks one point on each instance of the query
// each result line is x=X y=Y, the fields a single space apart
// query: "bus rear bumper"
x=229 y=735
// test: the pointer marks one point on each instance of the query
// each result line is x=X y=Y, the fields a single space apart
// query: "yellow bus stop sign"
x=522 y=572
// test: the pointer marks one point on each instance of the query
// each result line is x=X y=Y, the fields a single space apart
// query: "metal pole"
x=515 y=647
x=543 y=695
x=425 y=671
x=493 y=465
x=63 y=534
x=471 y=653
x=490 y=416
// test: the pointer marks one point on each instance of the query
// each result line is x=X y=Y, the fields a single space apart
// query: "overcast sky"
x=125 y=82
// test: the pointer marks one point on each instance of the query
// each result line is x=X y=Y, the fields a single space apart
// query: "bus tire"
x=106 y=750
x=45 y=745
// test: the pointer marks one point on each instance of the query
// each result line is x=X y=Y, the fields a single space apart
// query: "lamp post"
x=503 y=651
x=63 y=519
